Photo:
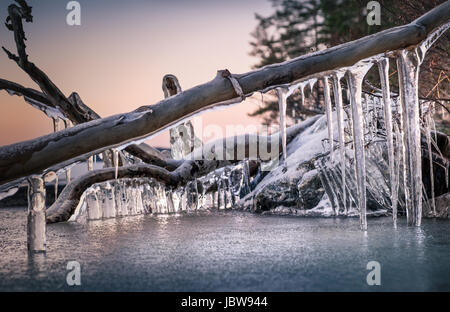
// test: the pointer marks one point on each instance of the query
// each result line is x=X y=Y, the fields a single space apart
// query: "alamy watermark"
x=73 y=277
x=373 y=13
x=374 y=276
x=73 y=18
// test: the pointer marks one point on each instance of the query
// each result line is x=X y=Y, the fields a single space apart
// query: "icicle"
x=246 y=176
x=10 y=191
x=328 y=109
x=398 y=160
x=302 y=91
x=311 y=83
x=90 y=163
x=433 y=141
x=68 y=176
x=366 y=103
x=56 y=186
x=55 y=124
x=355 y=78
x=337 y=91
x=118 y=197
x=328 y=185
x=282 y=106
x=56 y=128
x=383 y=68
x=367 y=114
x=67 y=124
x=197 y=196
x=408 y=71
x=376 y=104
x=430 y=155
x=116 y=163
x=291 y=90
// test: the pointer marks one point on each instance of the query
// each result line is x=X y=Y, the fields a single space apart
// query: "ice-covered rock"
x=297 y=188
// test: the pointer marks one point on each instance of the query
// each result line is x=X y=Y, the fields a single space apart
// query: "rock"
x=310 y=190
x=442 y=207
x=294 y=187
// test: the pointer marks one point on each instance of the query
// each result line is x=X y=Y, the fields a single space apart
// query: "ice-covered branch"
x=186 y=170
x=17 y=89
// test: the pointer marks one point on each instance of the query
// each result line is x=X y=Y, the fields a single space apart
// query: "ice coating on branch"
x=427 y=129
x=9 y=192
x=423 y=47
x=47 y=110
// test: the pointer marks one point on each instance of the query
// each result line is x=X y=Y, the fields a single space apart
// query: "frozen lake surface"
x=226 y=251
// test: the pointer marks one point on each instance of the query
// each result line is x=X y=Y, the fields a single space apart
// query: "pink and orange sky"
x=116 y=59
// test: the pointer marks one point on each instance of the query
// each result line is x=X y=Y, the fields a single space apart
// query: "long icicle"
x=398 y=158
x=408 y=72
x=282 y=105
x=355 y=78
x=430 y=155
x=337 y=91
x=328 y=110
x=383 y=68
x=116 y=163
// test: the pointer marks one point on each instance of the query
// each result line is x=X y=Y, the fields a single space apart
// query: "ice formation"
x=367 y=136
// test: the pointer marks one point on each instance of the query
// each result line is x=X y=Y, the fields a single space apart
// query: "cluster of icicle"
x=366 y=127
x=380 y=130
x=218 y=190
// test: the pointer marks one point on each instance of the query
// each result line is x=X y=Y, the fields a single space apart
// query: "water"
x=226 y=251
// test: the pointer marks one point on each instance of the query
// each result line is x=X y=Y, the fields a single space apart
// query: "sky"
x=118 y=55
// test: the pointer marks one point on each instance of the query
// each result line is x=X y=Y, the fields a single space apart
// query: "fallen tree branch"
x=90 y=138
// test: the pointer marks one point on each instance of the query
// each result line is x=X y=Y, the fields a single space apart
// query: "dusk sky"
x=116 y=59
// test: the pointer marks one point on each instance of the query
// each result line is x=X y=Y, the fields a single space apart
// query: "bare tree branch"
x=54 y=95
x=71 y=108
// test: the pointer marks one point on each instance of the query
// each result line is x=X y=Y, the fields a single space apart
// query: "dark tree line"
x=299 y=27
